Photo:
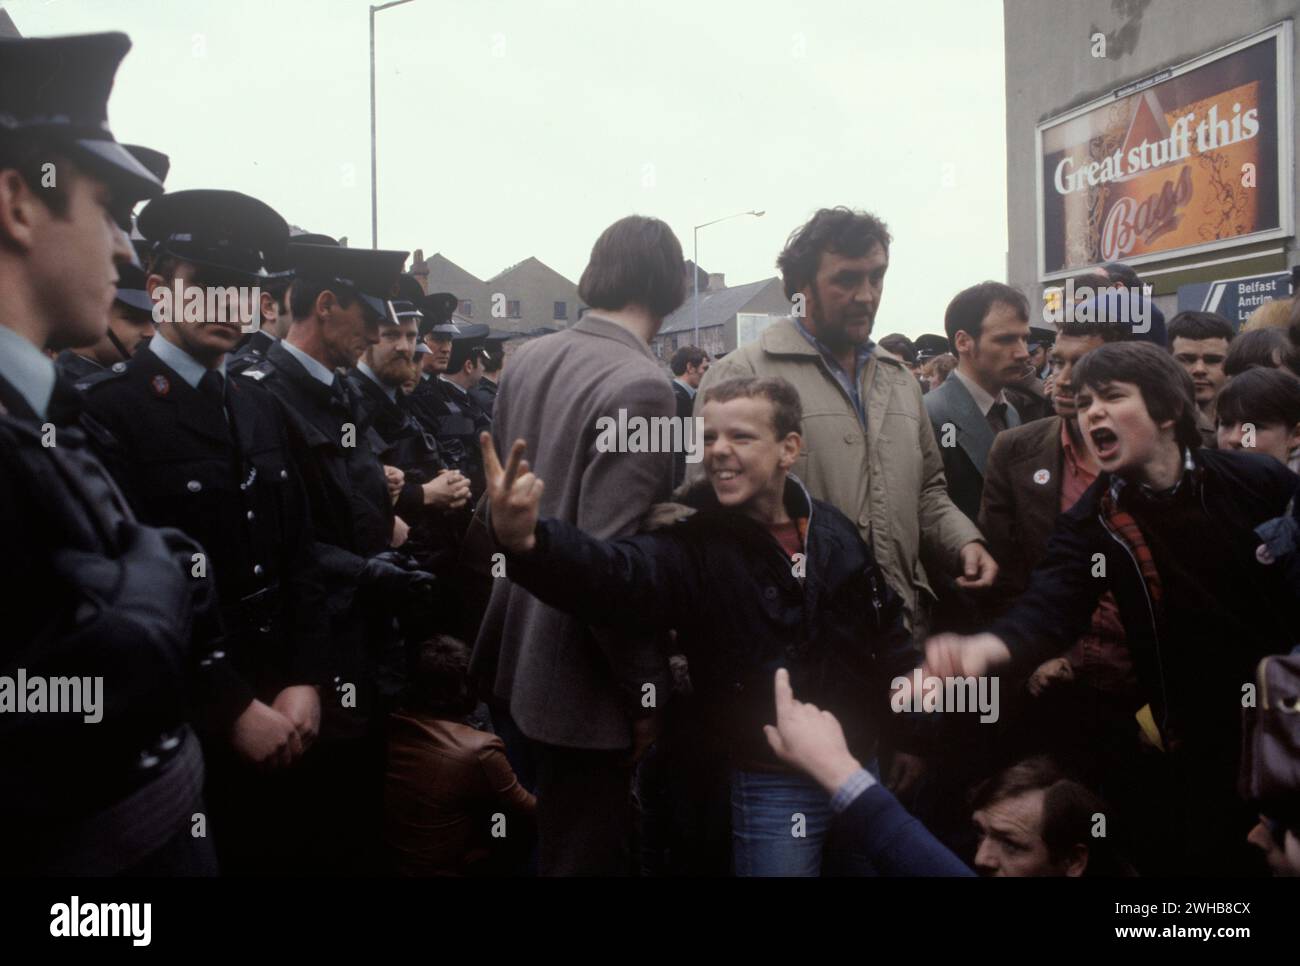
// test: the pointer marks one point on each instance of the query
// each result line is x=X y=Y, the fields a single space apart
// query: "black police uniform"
x=90 y=592
x=484 y=395
x=74 y=368
x=214 y=461
x=250 y=353
x=220 y=470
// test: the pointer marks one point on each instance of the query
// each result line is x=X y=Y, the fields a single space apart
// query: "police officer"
x=194 y=450
x=337 y=299
x=428 y=492
x=276 y=317
x=494 y=349
x=130 y=324
x=113 y=784
x=462 y=419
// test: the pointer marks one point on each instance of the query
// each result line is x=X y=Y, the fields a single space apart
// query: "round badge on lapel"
x=161 y=386
x=1041 y=477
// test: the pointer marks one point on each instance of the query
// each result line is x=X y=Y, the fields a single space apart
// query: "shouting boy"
x=761 y=576
x=1168 y=528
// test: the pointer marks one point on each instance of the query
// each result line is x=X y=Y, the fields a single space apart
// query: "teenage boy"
x=1259 y=410
x=760 y=576
x=1167 y=527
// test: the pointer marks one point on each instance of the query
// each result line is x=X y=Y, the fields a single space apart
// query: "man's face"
x=695 y=374
x=1272 y=439
x=1011 y=839
x=439 y=356
x=1203 y=360
x=73 y=259
x=998 y=358
x=1115 y=423
x=742 y=456
x=393 y=356
x=1066 y=351
x=130 y=326
x=347 y=332
x=217 y=331
x=844 y=297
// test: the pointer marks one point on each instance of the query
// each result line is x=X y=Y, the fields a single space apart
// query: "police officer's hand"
x=266 y=737
x=301 y=705
x=449 y=490
x=392 y=572
x=401 y=530
x=514 y=495
x=394 y=478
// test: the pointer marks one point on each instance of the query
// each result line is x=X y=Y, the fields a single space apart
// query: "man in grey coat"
x=575 y=705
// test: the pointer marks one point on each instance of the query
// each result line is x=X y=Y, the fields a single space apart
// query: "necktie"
x=997 y=417
x=213 y=386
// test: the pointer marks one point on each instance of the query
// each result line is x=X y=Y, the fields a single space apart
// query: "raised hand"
x=514 y=496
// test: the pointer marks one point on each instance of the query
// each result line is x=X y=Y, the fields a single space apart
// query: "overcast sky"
x=510 y=128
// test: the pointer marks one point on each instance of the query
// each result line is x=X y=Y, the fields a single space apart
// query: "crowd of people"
x=309 y=577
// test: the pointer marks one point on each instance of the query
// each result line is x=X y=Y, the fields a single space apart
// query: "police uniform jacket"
x=225 y=477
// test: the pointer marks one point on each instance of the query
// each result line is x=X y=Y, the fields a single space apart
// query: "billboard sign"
x=1195 y=158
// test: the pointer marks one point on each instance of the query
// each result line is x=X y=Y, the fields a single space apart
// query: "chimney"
x=717 y=281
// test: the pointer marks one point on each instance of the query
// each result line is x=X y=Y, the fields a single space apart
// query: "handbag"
x=1270 y=758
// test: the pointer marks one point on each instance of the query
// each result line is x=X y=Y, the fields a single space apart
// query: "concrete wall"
x=1050 y=68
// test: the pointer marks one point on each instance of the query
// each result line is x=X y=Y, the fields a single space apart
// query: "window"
x=561 y=310
x=512 y=308
x=466 y=308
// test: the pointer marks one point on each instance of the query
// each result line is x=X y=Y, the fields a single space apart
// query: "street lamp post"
x=695 y=256
x=374 y=178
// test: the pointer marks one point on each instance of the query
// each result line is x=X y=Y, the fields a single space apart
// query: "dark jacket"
x=740 y=611
x=172 y=451
x=964 y=461
x=685 y=408
x=1237 y=492
x=90 y=592
x=485 y=394
x=1021 y=500
x=351 y=511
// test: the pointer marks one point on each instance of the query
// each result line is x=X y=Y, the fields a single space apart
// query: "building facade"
x=1157 y=133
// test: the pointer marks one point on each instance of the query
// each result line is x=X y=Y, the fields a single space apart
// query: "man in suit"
x=988 y=326
x=193 y=451
x=689 y=364
x=571 y=703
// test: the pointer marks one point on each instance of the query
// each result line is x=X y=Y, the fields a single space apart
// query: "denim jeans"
x=782 y=825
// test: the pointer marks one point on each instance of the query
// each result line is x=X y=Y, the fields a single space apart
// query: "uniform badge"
x=119 y=367
x=1041 y=477
x=161 y=386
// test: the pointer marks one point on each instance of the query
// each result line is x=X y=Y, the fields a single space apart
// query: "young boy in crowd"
x=760 y=576
x=1168 y=527
x=1259 y=411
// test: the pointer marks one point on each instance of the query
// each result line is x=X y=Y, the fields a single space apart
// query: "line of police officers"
x=244 y=541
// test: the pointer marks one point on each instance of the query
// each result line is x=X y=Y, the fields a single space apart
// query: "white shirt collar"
x=317 y=370
x=690 y=390
x=977 y=392
x=27 y=369
x=180 y=361
x=365 y=370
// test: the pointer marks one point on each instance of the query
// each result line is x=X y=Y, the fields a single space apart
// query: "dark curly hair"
x=841 y=230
